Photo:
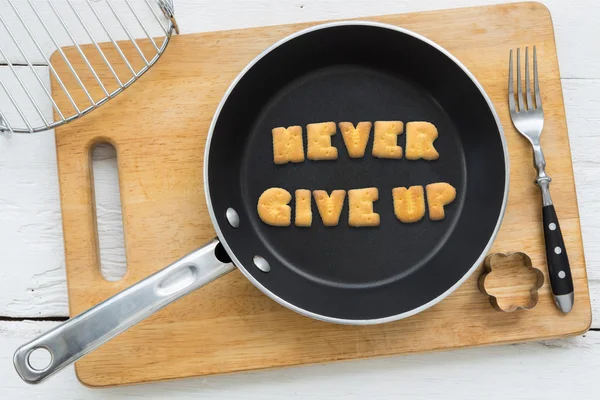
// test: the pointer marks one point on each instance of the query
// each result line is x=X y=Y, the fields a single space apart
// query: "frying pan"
x=344 y=71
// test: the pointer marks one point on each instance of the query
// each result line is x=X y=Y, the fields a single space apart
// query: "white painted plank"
x=31 y=248
x=582 y=104
x=32 y=272
x=583 y=119
x=40 y=39
x=575 y=29
x=10 y=86
x=553 y=369
x=31 y=244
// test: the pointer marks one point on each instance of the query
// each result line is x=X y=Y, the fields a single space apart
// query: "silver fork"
x=528 y=119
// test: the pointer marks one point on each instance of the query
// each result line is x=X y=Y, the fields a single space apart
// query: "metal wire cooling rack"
x=128 y=35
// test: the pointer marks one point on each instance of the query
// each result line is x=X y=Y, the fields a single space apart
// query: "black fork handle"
x=559 y=268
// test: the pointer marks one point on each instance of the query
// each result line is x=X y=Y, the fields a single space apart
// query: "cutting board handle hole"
x=108 y=212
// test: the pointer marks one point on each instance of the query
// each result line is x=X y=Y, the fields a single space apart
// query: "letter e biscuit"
x=385 y=139
x=360 y=204
x=319 y=141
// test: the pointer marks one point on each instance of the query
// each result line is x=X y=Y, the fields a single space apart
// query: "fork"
x=528 y=119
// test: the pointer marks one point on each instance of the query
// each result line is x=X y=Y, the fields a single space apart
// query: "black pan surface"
x=358 y=72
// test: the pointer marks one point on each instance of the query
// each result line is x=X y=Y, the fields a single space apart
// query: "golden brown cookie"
x=273 y=208
x=356 y=139
x=385 y=139
x=330 y=207
x=287 y=145
x=439 y=195
x=360 y=206
x=419 y=141
x=303 y=208
x=409 y=204
x=319 y=141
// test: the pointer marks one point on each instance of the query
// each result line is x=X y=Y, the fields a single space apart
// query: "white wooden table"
x=33 y=295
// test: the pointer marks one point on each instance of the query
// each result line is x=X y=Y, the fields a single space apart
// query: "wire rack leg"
x=5 y=130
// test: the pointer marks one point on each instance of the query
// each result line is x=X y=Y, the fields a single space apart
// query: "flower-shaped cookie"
x=511 y=281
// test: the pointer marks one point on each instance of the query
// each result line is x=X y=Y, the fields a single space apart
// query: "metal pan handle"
x=78 y=336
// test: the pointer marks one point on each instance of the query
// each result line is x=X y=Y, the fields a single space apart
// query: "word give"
x=288 y=145
x=409 y=205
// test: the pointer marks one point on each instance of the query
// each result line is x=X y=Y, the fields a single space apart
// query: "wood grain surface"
x=159 y=129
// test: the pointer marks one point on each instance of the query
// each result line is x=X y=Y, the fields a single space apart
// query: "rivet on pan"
x=232 y=217
x=261 y=264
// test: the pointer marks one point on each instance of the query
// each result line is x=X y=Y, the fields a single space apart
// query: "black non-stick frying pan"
x=346 y=71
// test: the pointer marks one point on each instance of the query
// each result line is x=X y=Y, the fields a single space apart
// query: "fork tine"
x=527 y=83
x=519 y=83
x=536 y=85
x=511 y=86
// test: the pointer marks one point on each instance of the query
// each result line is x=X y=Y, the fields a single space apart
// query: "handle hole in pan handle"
x=39 y=359
x=221 y=254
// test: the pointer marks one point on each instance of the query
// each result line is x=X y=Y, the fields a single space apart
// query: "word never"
x=288 y=145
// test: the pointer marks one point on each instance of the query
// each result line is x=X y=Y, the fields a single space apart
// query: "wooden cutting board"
x=159 y=128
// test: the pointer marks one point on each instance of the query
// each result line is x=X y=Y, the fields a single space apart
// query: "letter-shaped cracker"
x=439 y=195
x=319 y=141
x=356 y=139
x=385 y=139
x=287 y=145
x=303 y=208
x=409 y=204
x=273 y=208
x=419 y=141
x=360 y=205
x=330 y=207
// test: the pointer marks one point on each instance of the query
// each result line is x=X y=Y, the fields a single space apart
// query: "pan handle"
x=83 y=333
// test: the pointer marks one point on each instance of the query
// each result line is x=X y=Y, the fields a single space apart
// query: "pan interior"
x=357 y=73
x=344 y=255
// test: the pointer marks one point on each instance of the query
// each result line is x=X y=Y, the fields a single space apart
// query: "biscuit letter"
x=360 y=203
x=419 y=141
x=319 y=141
x=273 y=207
x=356 y=138
x=330 y=207
x=303 y=208
x=409 y=204
x=287 y=145
x=439 y=195
x=385 y=140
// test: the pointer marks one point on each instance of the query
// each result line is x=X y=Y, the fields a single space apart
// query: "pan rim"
x=294 y=307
